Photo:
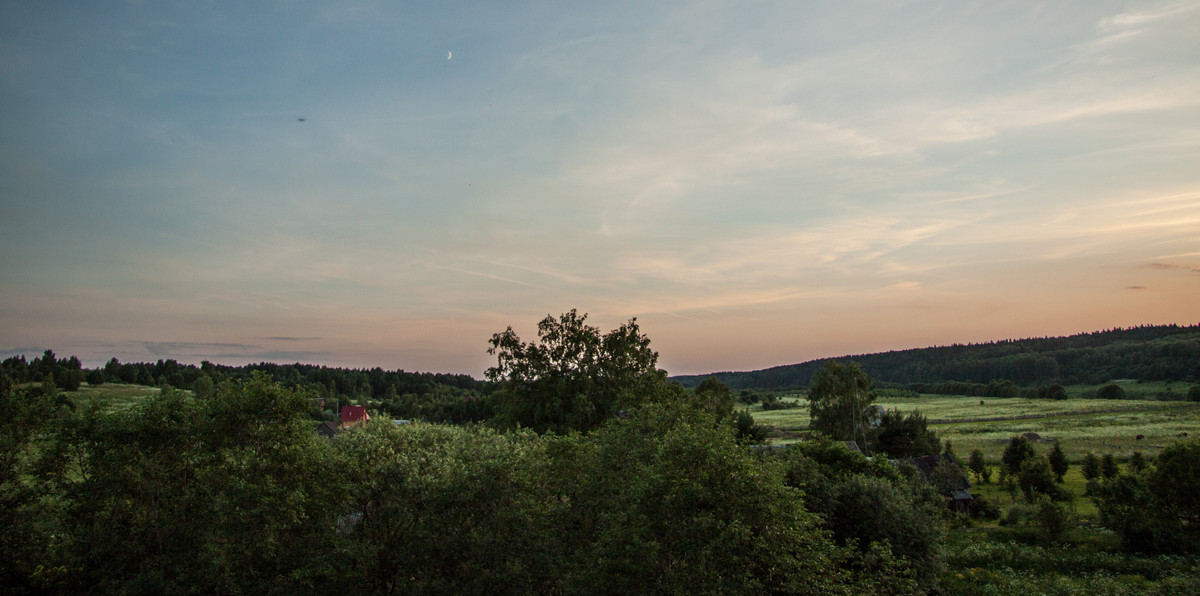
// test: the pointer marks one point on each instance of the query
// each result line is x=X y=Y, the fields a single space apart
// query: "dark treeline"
x=1148 y=353
x=438 y=397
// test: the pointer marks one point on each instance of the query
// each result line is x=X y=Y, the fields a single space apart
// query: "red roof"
x=354 y=413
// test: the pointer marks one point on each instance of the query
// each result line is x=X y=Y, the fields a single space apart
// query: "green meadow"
x=1081 y=424
x=114 y=396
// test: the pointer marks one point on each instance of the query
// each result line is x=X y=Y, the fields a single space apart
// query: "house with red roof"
x=354 y=415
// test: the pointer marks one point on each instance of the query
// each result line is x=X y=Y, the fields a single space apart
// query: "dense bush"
x=869 y=501
x=1158 y=509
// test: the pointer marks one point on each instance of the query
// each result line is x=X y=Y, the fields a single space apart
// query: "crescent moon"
x=449 y=55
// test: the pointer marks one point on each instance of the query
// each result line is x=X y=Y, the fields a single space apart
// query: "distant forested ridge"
x=1148 y=353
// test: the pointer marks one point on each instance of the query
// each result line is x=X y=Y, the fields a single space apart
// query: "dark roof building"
x=327 y=429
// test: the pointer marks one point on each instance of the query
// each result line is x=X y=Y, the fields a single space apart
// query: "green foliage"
x=1152 y=353
x=1138 y=462
x=173 y=496
x=1176 y=485
x=95 y=377
x=1091 y=467
x=1058 y=462
x=948 y=453
x=984 y=509
x=978 y=566
x=716 y=397
x=1110 y=391
x=1052 y=391
x=748 y=397
x=977 y=464
x=1041 y=514
x=573 y=377
x=204 y=387
x=1017 y=451
x=1052 y=519
x=747 y=431
x=904 y=436
x=664 y=497
x=1108 y=466
x=869 y=502
x=438 y=509
x=870 y=509
x=838 y=399
x=772 y=402
x=1157 y=510
x=1036 y=476
x=1193 y=393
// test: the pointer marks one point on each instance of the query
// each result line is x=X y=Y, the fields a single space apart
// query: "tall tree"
x=1058 y=462
x=901 y=436
x=1017 y=451
x=838 y=399
x=1108 y=466
x=716 y=397
x=573 y=377
x=1090 y=467
x=977 y=464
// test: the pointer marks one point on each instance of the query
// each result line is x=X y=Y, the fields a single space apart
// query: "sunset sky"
x=760 y=183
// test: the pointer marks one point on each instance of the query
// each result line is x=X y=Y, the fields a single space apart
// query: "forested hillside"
x=1150 y=353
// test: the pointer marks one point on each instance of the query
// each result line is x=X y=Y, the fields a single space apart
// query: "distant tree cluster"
x=427 y=396
x=841 y=407
x=66 y=373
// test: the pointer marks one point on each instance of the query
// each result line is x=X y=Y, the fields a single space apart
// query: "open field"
x=1081 y=425
x=118 y=396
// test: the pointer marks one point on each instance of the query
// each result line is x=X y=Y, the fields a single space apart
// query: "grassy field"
x=1080 y=424
x=118 y=396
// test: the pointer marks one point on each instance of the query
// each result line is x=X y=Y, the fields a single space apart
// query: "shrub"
x=1017 y=451
x=1110 y=391
x=1035 y=476
x=982 y=508
x=1108 y=466
x=1052 y=391
x=1091 y=467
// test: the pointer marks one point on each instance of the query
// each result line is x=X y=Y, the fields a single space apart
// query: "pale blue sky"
x=759 y=183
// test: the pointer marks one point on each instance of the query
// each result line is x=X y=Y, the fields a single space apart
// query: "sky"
x=389 y=183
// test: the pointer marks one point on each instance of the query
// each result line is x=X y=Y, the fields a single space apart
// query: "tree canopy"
x=573 y=377
x=838 y=400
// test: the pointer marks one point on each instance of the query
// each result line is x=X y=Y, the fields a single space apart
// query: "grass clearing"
x=1081 y=425
x=118 y=396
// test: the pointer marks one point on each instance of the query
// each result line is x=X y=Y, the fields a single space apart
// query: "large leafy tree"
x=573 y=377
x=901 y=436
x=1017 y=451
x=715 y=396
x=838 y=399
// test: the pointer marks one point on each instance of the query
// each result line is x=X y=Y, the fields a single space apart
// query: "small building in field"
x=353 y=416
